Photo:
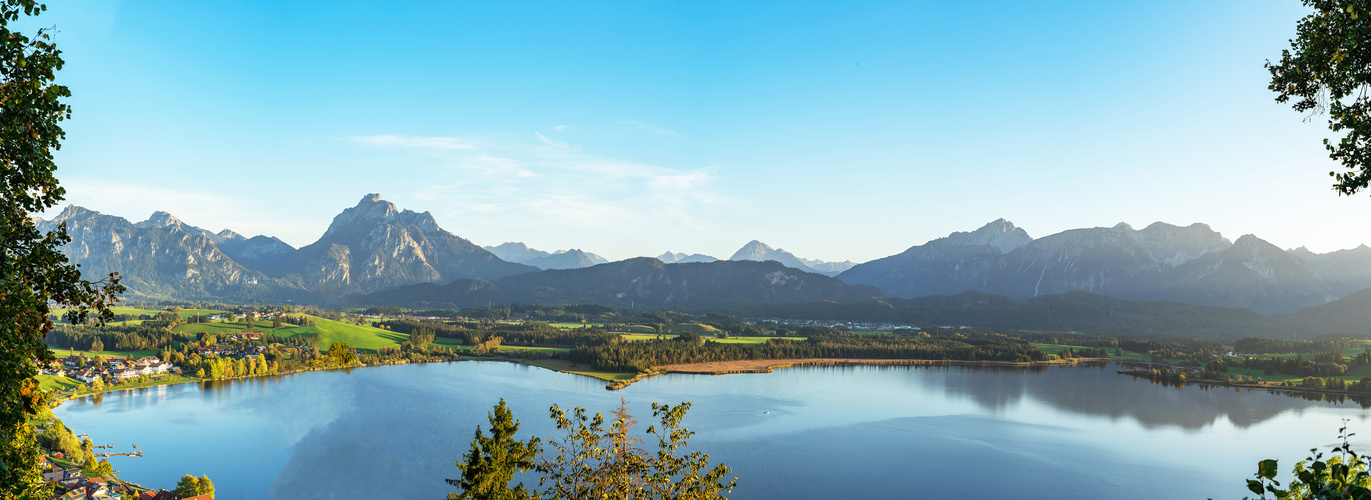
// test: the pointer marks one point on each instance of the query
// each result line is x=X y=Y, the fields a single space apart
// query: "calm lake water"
x=834 y=432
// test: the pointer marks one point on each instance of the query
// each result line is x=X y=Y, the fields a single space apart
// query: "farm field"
x=730 y=340
x=363 y=337
x=62 y=353
x=569 y=367
x=55 y=383
x=692 y=328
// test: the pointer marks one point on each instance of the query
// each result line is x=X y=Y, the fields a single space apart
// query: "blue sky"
x=832 y=130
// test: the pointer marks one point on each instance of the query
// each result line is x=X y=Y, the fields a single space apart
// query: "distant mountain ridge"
x=162 y=258
x=368 y=247
x=641 y=282
x=560 y=259
x=761 y=252
x=374 y=246
x=681 y=258
x=1192 y=264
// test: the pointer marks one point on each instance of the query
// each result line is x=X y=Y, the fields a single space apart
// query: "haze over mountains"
x=1192 y=264
x=374 y=246
x=561 y=259
x=760 y=252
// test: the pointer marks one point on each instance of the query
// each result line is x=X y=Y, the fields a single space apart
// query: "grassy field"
x=1056 y=349
x=643 y=336
x=730 y=340
x=62 y=353
x=520 y=348
x=569 y=367
x=566 y=325
x=55 y=383
x=185 y=313
x=751 y=340
x=1258 y=375
x=692 y=328
x=365 y=338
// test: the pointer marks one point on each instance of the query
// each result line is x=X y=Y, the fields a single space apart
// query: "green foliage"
x=103 y=468
x=34 y=272
x=192 y=486
x=592 y=460
x=59 y=438
x=644 y=355
x=342 y=353
x=1324 y=70
x=490 y=465
x=1342 y=476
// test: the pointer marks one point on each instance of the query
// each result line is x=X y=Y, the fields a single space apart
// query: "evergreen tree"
x=490 y=465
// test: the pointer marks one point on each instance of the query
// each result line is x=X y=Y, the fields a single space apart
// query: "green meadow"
x=62 y=353
x=55 y=383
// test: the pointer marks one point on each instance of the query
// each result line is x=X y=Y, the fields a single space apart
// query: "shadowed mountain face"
x=570 y=259
x=255 y=252
x=1161 y=262
x=1343 y=271
x=374 y=245
x=644 y=282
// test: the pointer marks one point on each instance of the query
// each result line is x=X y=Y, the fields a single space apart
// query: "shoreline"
x=744 y=366
x=768 y=365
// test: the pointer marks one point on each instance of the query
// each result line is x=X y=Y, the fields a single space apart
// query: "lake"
x=823 y=432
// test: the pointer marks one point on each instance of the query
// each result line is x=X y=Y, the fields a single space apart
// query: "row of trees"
x=642 y=356
x=115 y=338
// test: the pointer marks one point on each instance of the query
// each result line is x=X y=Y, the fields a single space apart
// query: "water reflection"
x=821 y=432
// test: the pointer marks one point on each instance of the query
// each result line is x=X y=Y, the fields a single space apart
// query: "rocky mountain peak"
x=1251 y=241
x=753 y=250
x=372 y=210
x=73 y=212
x=160 y=219
x=228 y=235
x=1000 y=233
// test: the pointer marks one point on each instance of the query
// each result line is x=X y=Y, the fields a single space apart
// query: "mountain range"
x=561 y=259
x=1192 y=264
x=375 y=246
x=368 y=247
x=761 y=252
x=640 y=282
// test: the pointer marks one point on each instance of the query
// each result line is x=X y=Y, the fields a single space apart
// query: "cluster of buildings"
x=229 y=350
x=113 y=370
x=72 y=484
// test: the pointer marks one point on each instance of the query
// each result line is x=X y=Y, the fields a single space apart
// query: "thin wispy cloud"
x=208 y=209
x=539 y=185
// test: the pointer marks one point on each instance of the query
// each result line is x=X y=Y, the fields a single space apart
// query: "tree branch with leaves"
x=1327 y=69
x=34 y=272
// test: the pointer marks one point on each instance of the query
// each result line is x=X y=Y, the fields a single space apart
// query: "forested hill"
x=1078 y=312
x=640 y=282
